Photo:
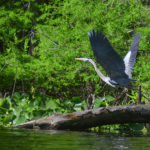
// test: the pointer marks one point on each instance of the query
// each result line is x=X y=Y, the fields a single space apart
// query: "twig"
x=22 y=83
x=119 y=97
x=3 y=67
x=14 y=82
x=50 y=39
x=139 y=95
x=142 y=93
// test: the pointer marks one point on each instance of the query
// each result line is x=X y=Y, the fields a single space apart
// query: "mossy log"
x=92 y=118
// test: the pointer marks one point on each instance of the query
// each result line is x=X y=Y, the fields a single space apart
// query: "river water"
x=16 y=139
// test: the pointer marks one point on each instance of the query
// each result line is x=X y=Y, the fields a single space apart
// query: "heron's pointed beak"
x=79 y=59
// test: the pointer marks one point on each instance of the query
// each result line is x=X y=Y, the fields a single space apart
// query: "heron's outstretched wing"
x=108 y=58
x=130 y=57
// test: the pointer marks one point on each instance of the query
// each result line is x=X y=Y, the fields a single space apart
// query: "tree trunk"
x=92 y=118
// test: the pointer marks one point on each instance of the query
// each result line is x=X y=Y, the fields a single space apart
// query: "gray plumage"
x=130 y=58
x=119 y=70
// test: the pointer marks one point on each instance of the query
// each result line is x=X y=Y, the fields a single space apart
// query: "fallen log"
x=92 y=118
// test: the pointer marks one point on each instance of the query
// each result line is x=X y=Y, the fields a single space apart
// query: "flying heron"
x=118 y=69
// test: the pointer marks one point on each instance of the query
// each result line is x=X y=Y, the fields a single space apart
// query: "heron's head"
x=83 y=59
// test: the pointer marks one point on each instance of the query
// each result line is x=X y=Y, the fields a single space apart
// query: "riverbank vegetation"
x=39 y=41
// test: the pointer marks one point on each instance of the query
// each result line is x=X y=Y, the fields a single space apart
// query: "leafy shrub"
x=22 y=108
x=40 y=40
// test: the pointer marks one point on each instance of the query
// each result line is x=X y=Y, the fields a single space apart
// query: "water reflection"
x=67 y=140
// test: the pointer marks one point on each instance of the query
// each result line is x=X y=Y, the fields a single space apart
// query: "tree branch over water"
x=92 y=118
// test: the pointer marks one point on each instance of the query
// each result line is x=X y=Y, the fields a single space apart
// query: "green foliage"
x=103 y=101
x=61 y=28
x=39 y=41
x=22 y=108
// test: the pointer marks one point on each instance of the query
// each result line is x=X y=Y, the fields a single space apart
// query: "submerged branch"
x=92 y=118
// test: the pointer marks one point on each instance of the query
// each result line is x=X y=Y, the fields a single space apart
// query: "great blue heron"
x=118 y=69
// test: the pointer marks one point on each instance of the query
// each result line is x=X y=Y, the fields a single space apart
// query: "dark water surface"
x=11 y=139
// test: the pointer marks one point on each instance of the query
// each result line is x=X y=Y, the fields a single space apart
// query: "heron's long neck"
x=98 y=71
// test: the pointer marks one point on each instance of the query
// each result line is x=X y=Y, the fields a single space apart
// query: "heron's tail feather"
x=133 y=80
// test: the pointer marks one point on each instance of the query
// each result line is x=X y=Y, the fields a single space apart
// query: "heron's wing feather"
x=130 y=57
x=106 y=56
